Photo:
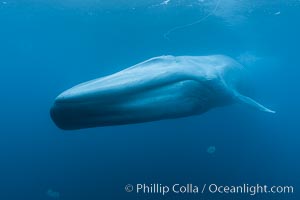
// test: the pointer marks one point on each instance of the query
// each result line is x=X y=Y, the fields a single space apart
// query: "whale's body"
x=160 y=88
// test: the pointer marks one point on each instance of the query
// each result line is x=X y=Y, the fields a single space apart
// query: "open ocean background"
x=49 y=46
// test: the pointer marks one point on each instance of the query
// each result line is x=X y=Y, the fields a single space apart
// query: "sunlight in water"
x=166 y=35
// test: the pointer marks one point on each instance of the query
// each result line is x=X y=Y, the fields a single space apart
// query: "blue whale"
x=159 y=88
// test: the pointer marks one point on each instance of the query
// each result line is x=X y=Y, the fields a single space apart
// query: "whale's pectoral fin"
x=247 y=100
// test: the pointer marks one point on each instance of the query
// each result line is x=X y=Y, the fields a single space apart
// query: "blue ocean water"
x=49 y=46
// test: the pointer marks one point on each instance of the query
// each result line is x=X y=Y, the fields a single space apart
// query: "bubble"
x=248 y=58
x=211 y=149
x=277 y=13
x=53 y=194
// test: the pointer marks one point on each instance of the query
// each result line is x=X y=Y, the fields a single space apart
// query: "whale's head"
x=160 y=88
x=97 y=104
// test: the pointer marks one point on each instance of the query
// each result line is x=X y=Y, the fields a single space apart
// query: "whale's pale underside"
x=159 y=88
